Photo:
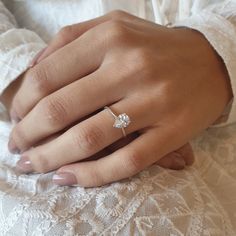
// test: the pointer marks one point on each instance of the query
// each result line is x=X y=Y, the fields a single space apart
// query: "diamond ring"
x=121 y=121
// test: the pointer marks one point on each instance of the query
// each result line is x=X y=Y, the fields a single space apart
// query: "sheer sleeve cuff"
x=18 y=48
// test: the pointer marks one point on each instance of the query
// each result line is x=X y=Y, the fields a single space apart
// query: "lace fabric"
x=197 y=201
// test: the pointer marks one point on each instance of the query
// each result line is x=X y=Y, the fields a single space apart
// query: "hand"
x=176 y=160
x=169 y=81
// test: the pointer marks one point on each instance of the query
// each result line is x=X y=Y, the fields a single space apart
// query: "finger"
x=178 y=159
x=175 y=160
x=74 y=46
x=123 y=163
x=64 y=107
x=187 y=153
x=113 y=147
x=122 y=142
x=172 y=161
x=36 y=58
x=83 y=140
x=72 y=62
x=69 y=33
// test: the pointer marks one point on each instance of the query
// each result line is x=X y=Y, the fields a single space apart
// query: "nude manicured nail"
x=24 y=165
x=178 y=162
x=14 y=117
x=12 y=147
x=64 y=178
x=36 y=59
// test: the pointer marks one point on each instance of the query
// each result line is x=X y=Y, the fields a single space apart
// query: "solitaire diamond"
x=122 y=121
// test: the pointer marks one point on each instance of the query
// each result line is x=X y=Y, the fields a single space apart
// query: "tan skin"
x=176 y=160
x=169 y=81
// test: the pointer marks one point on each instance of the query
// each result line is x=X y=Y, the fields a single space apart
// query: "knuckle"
x=66 y=34
x=118 y=14
x=88 y=139
x=141 y=59
x=140 y=65
x=168 y=98
x=116 y=32
x=54 y=111
x=38 y=77
x=133 y=163
x=41 y=163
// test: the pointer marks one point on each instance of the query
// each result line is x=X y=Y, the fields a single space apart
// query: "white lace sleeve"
x=17 y=48
x=218 y=24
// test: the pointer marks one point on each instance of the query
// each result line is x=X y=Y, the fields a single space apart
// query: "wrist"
x=201 y=47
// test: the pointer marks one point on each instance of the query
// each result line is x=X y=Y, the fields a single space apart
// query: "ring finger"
x=82 y=141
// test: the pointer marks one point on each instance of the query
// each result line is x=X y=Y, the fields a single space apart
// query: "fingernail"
x=14 y=117
x=64 y=178
x=24 y=165
x=12 y=147
x=178 y=162
x=36 y=59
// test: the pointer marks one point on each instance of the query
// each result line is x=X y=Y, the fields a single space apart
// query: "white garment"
x=198 y=201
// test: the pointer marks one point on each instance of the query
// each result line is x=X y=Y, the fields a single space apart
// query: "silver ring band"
x=121 y=121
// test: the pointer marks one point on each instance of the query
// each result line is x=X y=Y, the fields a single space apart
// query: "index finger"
x=71 y=32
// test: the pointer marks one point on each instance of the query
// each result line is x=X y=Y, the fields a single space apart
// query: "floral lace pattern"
x=197 y=201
